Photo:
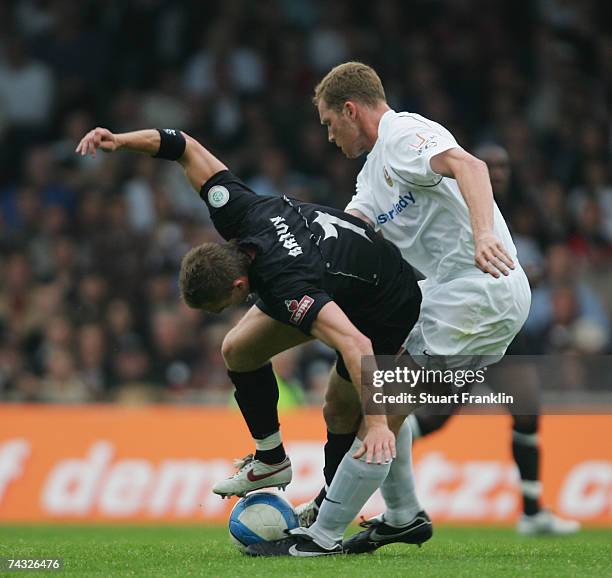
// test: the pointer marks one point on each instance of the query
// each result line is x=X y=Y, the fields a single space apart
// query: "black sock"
x=527 y=457
x=319 y=499
x=257 y=397
x=335 y=449
x=273 y=456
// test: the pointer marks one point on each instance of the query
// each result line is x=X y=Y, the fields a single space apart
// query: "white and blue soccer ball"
x=261 y=516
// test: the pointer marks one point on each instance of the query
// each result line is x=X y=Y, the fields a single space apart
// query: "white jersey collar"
x=385 y=119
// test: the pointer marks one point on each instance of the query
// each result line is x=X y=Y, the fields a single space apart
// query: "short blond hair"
x=350 y=81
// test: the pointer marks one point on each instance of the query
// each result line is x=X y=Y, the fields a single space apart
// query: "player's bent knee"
x=237 y=356
x=228 y=351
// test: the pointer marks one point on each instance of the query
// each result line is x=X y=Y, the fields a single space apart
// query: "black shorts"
x=386 y=339
x=386 y=312
x=387 y=333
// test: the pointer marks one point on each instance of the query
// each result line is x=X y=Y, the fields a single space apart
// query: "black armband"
x=172 y=144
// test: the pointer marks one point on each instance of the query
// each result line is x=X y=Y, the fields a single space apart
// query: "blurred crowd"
x=90 y=247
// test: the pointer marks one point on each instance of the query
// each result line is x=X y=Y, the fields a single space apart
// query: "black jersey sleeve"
x=289 y=288
x=296 y=304
x=229 y=201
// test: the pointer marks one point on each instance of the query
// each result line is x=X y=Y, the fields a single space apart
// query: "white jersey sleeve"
x=362 y=200
x=409 y=152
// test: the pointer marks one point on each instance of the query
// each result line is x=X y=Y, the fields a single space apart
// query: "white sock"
x=398 y=489
x=268 y=443
x=354 y=482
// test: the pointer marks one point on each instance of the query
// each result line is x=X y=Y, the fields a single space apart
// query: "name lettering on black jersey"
x=285 y=237
x=329 y=223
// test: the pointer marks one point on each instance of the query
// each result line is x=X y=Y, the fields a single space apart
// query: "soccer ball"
x=259 y=517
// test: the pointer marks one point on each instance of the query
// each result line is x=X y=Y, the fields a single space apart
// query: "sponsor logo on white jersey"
x=424 y=142
x=387 y=176
x=404 y=201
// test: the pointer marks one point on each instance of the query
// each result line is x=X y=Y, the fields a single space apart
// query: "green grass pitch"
x=207 y=551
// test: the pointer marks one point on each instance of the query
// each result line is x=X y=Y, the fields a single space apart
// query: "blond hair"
x=350 y=81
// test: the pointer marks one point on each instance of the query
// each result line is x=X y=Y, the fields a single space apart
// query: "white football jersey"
x=421 y=212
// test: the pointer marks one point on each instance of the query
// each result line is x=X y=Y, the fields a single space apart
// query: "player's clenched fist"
x=98 y=138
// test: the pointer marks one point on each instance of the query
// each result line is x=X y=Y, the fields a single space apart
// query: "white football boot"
x=307 y=513
x=545 y=522
x=254 y=475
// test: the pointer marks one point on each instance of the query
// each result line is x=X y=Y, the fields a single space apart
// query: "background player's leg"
x=522 y=383
x=526 y=454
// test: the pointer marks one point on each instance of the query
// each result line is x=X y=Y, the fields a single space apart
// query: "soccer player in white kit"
x=409 y=189
x=525 y=438
x=434 y=201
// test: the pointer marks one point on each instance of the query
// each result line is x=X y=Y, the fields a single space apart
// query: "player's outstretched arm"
x=199 y=163
x=334 y=328
x=171 y=144
x=472 y=176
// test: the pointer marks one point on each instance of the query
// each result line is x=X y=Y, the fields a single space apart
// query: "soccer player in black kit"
x=317 y=270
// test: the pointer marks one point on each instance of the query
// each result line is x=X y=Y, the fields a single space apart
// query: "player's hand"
x=378 y=445
x=98 y=138
x=491 y=256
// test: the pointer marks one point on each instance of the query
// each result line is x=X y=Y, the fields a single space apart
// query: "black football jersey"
x=308 y=255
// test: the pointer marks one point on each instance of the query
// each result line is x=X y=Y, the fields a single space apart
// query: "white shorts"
x=469 y=321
